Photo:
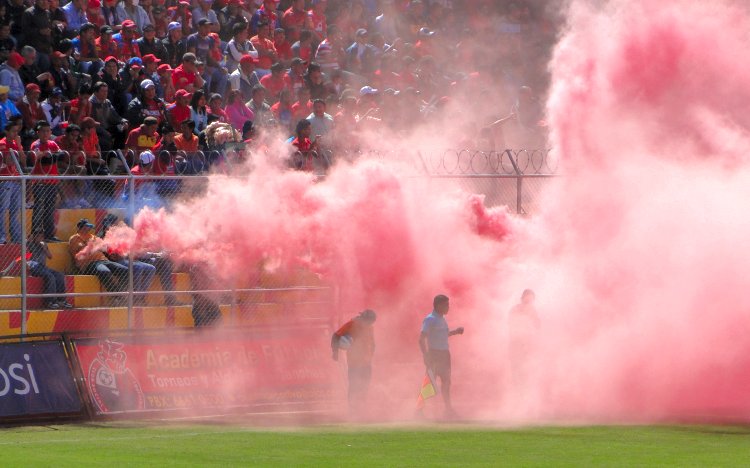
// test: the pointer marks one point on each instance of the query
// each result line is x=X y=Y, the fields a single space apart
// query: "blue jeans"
x=143 y=274
x=54 y=282
x=10 y=201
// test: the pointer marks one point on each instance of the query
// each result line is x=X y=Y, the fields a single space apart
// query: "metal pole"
x=131 y=210
x=519 y=181
x=24 y=235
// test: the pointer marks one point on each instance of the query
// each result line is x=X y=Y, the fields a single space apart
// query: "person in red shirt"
x=142 y=138
x=94 y=13
x=356 y=337
x=165 y=80
x=295 y=20
x=317 y=19
x=303 y=107
x=305 y=150
x=127 y=47
x=180 y=110
x=283 y=47
x=267 y=55
x=10 y=190
x=45 y=154
x=186 y=75
x=106 y=46
x=275 y=82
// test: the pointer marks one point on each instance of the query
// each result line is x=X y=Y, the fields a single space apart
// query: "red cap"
x=164 y=68
x=182 y=93
x=94 y=4
x=150 y=58
x=15 y=58
x=235 y=2
x=128 y=24
x=110 y=59
x=31 y=87
x=248 y=59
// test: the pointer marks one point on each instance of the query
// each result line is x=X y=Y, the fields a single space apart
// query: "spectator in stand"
x=131 y=75
x=267 y=55
x=9 y=76
x=275 y=82
x=31 y=110
x=159 y=20
x=14 y=15
x=295 y=20
x=7 y=109
x=87 y=251
x=229 y=17
x=7 y=42
x=316 y=82
x=238 y=47
x=112 y=17
x=53 y=280
x=85 y=48
x=199 y=111
x=45 y=155
x=186 y=75
x=296 y=74
x=36 y=26
x=116 y=87
x=237 y=111
x=282 y=46
x=304 y=106
x=244 y=79
x=95 y=164
x=361 y=56
x=94 y=13
x=204 y=12
x=105 y=45
x=201 y=43
x=146 y=105
x=75 y=15
x=11 y=199
x=387 y=23
x=282 y=110
x=80 y=106
x=187 y=140
x=322 y=123
x=266 y=13
x=330 y=53
x=260 y=108
x=214 y=108
x=165 y=90
x=142 y=138
x=54 y=111
x=62 y=75
x=150 y=65
x=150 y=45
x=180 y=110
x=317 y=20
x=130 y=10
x=31 y=72
x=174 y=45
x=305 y=149
x=126 y=40
x=303 y=47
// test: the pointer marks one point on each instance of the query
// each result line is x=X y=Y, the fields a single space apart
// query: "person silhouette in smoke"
x=433 y=341
x=523 y=326
x=357 y=339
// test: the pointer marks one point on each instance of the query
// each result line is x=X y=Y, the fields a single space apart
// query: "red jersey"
x=42 y=168
x=139 y=141
x=274 y=85
x=301 y=111
x=263 y=45
x=109 y=48
x=320 y=28
x=182 y=78
x=296 y=20
x=179 y=113
x=284 y=50
x=363 y=342
x=8 y=166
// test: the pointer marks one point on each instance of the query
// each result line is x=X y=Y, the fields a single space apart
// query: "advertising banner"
x=35 y=379
x=133 y=374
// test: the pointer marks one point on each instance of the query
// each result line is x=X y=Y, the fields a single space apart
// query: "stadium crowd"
x=172 y=86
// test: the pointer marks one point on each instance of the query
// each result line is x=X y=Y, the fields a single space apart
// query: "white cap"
x=147 y=157
x=368 y=90
x=145 y=84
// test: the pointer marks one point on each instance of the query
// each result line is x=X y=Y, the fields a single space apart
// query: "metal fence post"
x=519 y=181
x=131 y=211
x=24 y=236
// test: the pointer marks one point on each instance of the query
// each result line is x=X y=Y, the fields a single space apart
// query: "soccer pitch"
x=211 y=444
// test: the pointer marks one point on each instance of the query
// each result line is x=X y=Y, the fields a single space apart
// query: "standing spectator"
x=174 y=45
x=31 y=110
x=275 y=82
x=116 y=87
x=303 y=106
x=45 y=155
x=112 y=15
x=357 y=339
x=317 y=20
x=305 y=150
x=266 y=50
x=7 y=42
x=181 y=15
x=303 y=47
x=296 y=74
x=87 y=251
x=75 y=16
x=112 y=130
x=54 y=111
x=200 y=44
x=386 y=23
x=316 y=82
x=14 y=15
x=244 y=79
x=9 y=76
x=54 y=281
x=8 y=110
x=150 y=45
x=433 y=342
x=238 y=47
x=282 y=110
x=228 y=17
x=266 y=13
x=361 y=56
x=322 y=123
x=94 y=13
x=237 y=111
x=130 y=10
x=10 y=191
x=159 y=16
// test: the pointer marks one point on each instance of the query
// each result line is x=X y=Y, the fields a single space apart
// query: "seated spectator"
x=303 y=48
x=303 y=106
x=134 y=13
x=201 y=44
x=317 y=20
x=94 y=13
x=85 y=48
x=31 y=110
x=205 y=14
x=54 y=281
x=54 y=111
x=360 y=56
x=45 y=155
x=330 y=53
x=265 y=14
x=159 y=14
x=296 y=74
x=214 y=108
x=228 y=17
x=11 y=198
x=112 y=127
x=8 y=43
x=187 y=141
x=174 y=44
x=10 y=77
x=260 y=108
x=80 y=107
x=126 y=40
x=282 y=110
x=105 y=45
x=30 y=71
x=237 y=111
x=7 y=108
x=315 y=81
x=88 y=252
x=166 y=90
x=142 y=138
x=244 y=79
x=180 y=110
x=322 y=123
x=295 y=20
x=150 y=45
x=275 y=82
x=186 y=75
x=305 y=149
x=146 y=105
x=199 y=111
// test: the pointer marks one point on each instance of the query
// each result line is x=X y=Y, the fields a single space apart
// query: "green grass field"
x=119 y=444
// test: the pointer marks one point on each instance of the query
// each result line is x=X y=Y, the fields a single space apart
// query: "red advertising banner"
x=132 y=374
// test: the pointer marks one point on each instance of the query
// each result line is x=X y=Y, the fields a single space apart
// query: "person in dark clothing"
x=149 y=44
x=357 y=339
x=174 y=45
x=54 y=281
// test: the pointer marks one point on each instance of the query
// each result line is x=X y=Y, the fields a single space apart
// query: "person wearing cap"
x=10 y=190
x=146 y=104
x=142 y=138
x=7 y=108
x=106 y=46
x=165 y=90
x=181 y=14
x=174 y=44
x=93 y=261
x=295 y=20
x=244 y=79
x=275 y=82
x=130 y=10
x=31 y=110
x=117 y=86
x=10 y=77
x=238 y=47
x=36 y=21
x=267 y=55
x=205 y=12
x=94 y=13
x=356 y=337
x=201 y=43
x=150 y=45
x=180 y=110
x=186 y=76
x=54 y=111
x=266 y=13
x=85 y=48
x=150 y=66
x=126 y=41
x=361 y=56
x=75 y=16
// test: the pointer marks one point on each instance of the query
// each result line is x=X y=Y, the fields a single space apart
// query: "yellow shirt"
x=76 y=243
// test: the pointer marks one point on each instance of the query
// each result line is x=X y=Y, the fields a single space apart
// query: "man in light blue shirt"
x=433 y=342
x=75 y=14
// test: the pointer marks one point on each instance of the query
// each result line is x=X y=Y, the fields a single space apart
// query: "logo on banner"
x=112 y=384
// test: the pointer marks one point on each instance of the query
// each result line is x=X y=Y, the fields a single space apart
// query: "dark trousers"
x=54 y=282
x=43 y=217
x=110 y=274
x=359 y=382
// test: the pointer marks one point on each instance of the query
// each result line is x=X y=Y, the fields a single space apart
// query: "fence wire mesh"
x=54 y=204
